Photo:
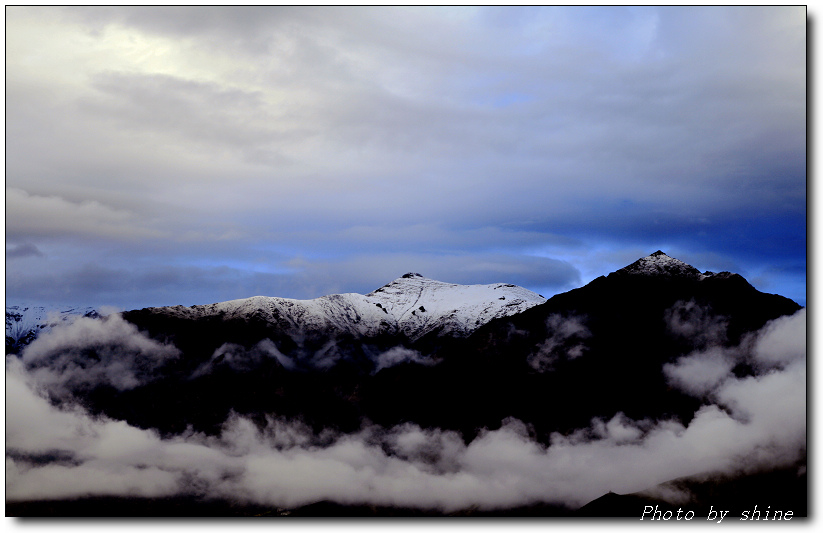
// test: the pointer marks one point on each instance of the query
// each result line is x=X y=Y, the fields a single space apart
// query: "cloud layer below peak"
x=746 y=424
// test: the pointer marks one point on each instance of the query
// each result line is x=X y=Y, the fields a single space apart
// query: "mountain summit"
x=604 y=363
x=420 y=305
x=411 y=306
x=25 y=322
x=660 y=264
x=435 y=379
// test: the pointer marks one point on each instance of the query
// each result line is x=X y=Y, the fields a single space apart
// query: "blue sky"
x=162 y=156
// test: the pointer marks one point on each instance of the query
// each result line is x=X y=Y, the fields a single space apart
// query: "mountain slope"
x=652 y=373
x=412 y=306
x=301 y=358
x=400 y=354
x=598 y=350
x=660 y=264
x=25 y=322
x=782 y=490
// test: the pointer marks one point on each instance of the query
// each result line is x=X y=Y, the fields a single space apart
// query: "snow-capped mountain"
x=420 y=305
x=660 y=264
x=25 y=322
x=604 y=345
x=609 y=365
x=411 y=305
x=438 y=354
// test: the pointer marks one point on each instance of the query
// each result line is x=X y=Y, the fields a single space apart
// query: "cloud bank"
x=747 y=423
x=91 y=351
x=264 y=150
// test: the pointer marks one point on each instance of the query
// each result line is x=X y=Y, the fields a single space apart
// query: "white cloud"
x=88 y=352
x=757 y=422
x=238 y=358
x=400 y=354
x=563 y=341
x=779 y=343
x=619 y=429
x=696 y=323
x=782 y=341
x=701 y=372
x=331 y=132
x=31 y=216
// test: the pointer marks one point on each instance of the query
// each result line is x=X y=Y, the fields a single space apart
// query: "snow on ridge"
x=658 y=264
x=25 y=322
x=411 y=304
x=421 y=304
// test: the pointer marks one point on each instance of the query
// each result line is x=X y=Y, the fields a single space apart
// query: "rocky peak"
x=660 y=264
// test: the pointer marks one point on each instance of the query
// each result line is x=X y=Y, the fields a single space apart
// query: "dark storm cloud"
x=26 y=249
x=87 y=283
x=249 y=26
x=198 y=280
x=349 y=131
x=745 y=424
x=141 y=287
x=175 y=155
x=361 y=271
x=34 y=216
x=176 y=106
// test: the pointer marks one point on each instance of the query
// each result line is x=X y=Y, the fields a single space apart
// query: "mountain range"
x=647 y=346
x=25 y=322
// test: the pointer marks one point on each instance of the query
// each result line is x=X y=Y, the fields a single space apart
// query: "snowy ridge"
x=420 y=305
x=660 y=264
x=25 y=322
x=411 y=305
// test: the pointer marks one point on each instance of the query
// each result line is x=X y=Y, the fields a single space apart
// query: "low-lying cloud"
x=563 y=341
x=239 y=358
x=700 y=372
x=90 y=351
x=692 y=321
x=749 y=423
x=26 y=249
x=400 y=354
x=782 y=341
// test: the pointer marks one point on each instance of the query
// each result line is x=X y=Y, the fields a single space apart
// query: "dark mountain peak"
x=660 y=264
x=411 y=275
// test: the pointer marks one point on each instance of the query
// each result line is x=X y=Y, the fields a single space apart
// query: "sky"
x=176 y=155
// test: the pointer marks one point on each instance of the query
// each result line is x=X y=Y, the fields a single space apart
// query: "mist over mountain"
x=421 y=397
x=25 y=322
